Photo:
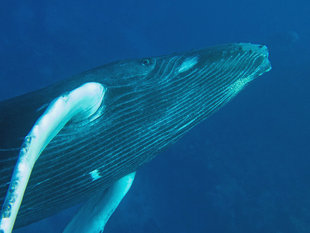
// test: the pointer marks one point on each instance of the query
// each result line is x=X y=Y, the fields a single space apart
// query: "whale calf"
x=86 y=136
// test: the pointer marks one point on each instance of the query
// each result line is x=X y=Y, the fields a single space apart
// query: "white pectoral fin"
x=81 y=102
x=95 y=213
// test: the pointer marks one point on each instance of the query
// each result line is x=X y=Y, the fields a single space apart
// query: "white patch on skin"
x=187 y=64
x=238 y=85
x=95 y=174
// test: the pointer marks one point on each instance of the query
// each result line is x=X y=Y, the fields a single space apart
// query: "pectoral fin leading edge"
x=81 y=102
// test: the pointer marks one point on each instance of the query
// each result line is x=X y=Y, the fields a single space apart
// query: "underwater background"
x=244 y=169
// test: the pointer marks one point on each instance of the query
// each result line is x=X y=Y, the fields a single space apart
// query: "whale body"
x=149 y=103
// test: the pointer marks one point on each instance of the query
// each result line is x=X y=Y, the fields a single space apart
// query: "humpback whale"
x=81 y=140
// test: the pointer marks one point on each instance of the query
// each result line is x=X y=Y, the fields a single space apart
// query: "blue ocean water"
x=246 y=168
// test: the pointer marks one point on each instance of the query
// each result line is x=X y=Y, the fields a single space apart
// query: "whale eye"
x=146 y=61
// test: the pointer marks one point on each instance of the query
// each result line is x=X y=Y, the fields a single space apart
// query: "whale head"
x=170 y=94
